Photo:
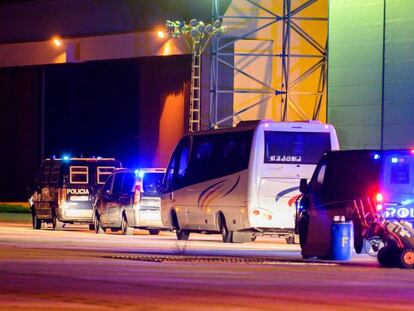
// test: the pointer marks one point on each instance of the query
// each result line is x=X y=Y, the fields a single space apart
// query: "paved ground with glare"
x=78 y=269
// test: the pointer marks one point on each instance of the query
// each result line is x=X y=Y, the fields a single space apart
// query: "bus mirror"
x=303 y=186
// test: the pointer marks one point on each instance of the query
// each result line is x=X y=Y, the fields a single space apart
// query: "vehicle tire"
x=36 y=222
x=92 y=227
x=386 y=256
x=253 y=238
x=57 y=224
x=290 y=239
x=154 y=231
x=407 y=258
x=182 y=234
x=358 y=238
x=97 y=224
x=126 y=229
x=226 y=235
x=303 y=231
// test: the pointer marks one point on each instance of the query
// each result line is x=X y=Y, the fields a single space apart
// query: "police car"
x=66 y=189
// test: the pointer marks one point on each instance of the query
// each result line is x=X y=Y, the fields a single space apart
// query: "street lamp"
x=197 y=35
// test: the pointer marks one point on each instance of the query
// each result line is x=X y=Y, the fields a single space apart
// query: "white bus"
x=242 y=181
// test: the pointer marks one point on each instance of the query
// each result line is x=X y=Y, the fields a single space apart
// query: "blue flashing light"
x=65 y=158
x=139 y=173
x=394 y=160
x=376 y=156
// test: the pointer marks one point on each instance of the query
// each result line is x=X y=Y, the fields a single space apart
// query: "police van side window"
x=54 y=174
x=44 y=178
x=78 y=174
x=103 y=172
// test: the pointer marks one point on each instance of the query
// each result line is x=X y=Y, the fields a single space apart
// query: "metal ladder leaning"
x=194 y=118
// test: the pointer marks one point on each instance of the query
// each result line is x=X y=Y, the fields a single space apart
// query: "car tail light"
x=256 y=212
x=137 y=194
x=378 y=199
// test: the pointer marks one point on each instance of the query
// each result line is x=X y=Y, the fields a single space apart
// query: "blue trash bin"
x=342 y=233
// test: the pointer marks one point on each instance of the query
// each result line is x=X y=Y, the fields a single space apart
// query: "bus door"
x=176 y=194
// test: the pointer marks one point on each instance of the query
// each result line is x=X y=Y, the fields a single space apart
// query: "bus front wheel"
x=225 y=233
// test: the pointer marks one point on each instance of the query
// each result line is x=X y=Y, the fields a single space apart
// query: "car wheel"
x=154 y=231
x=358 y=238
x=92 y=227
x=182 y=234
x=386 y=256
x=36 y=222
x=126 y=229
x=97 y=224
x=225 y=233
x=407 y=258
x=57 y=224
x=303 y=231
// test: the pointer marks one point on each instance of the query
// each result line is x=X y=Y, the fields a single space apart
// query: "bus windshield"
x=295 y=147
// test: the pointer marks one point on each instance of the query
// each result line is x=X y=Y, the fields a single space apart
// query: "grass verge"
x=17 y=212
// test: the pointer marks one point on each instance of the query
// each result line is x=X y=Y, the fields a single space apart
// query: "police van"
x=66 y=188
x=380 y=178
x=397 y=184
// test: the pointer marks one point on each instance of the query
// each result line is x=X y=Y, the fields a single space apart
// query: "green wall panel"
x=355 y=71
x=399 y=75
x=356 y=64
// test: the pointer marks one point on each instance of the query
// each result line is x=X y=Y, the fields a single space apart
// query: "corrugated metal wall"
x=355 y=74
x=370 y=99
x=399 y=74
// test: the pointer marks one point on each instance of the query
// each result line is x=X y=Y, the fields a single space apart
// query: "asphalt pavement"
x=78 y=269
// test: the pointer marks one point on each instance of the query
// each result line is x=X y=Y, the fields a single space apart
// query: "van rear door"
x=398 y=186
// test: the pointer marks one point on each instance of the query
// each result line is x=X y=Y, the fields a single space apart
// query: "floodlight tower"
x=197 y=35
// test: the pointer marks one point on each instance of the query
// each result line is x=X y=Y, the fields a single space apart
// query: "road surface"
x=76 y=269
